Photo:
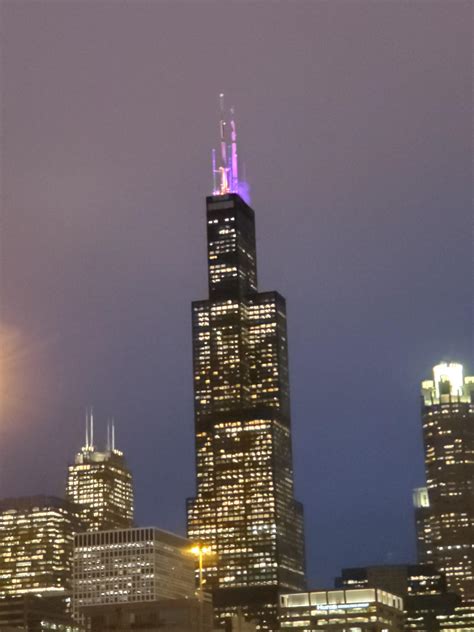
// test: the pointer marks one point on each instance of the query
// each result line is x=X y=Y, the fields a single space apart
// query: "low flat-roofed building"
x=358 y=610
x=131 y=565
x=239 y=624
x=166 y=615
x=36 y=614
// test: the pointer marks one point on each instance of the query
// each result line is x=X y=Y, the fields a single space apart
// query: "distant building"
x=421 y=503
x=447 y=534
x=400 y=579
x=422 y=587
x=101 y=484
x=357 y=610
x=131 y=565
x=169 y=615
x=35 y=614
x=238 y=623
x=36 y=545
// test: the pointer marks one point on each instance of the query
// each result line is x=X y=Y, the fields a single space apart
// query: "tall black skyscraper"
x=244 y=508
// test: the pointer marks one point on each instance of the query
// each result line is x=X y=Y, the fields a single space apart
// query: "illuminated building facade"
x=357 y=610
x=101 y=484
x=244 y=508
x=130 y=565
x=421 y=586
x=462 y=620
x=421 y=503
x=36 y=545
x=447 y=525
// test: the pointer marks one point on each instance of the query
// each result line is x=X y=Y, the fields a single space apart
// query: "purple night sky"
x=354 y=122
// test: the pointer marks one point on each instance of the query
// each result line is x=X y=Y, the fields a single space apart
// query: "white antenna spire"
x=87 y=429
x=92 y=428
x=107 y=446
x=233 y=156
x=113 y=434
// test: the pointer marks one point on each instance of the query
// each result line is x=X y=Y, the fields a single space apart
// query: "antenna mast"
x=234 y=161
x=107 y=447
x=113 y=434
x=91 y=428
x=225 y=174
x=87 y=429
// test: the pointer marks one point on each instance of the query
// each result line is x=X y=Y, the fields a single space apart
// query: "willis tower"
x=244 y=510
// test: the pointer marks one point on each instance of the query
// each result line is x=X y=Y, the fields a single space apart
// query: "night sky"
x=354 y=126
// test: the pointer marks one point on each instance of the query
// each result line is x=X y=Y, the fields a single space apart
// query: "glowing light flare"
x=200 y=550
x=451 y=373
x=22 y=371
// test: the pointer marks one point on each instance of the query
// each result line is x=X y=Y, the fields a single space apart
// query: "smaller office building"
x=131 y=565
x=358 y=610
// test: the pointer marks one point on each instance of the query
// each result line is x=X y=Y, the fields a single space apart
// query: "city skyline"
x=96 y=336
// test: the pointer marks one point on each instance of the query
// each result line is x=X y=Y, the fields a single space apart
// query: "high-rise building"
x=244 y=509
x=356 y=610
x=101 y=484
x=36 y=545
x=446 y=527
x=130 y=565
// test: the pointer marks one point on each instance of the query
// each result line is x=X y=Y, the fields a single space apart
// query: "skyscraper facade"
x=447 y=523
x=244 y=508
x=36 y=546
x=100 y=483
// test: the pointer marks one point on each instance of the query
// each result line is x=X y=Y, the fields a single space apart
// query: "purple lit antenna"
x=234 y=161
x=223 y=168
x=214 y=173
x=225 y=162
